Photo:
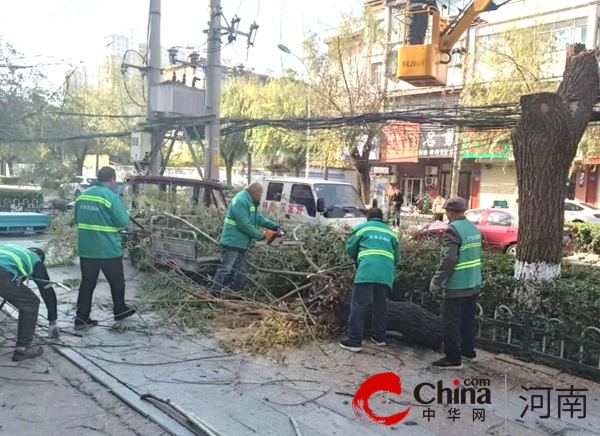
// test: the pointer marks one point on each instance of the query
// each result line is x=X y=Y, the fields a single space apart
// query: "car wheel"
x=512 y=250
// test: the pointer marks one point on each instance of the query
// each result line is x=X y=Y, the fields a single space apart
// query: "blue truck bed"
x=23 y=222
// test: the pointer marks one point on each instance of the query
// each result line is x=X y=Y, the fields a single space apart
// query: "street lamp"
x=286 y=50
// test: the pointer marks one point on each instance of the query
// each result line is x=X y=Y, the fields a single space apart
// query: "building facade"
x=421 y=157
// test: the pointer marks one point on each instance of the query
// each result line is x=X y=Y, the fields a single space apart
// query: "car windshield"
x=588 y=206
x=338 y=196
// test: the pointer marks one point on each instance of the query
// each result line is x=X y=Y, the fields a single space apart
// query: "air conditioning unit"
x=175 y=100
x=431 y=181
x=141 y=146
x=431 y=171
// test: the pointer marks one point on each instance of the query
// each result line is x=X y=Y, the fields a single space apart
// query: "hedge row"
x=574 y=298
x=587 y=236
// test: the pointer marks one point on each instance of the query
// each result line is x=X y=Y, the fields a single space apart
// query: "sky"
x=75 y=30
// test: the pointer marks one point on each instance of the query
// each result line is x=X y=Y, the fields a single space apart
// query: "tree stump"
x=545 y=142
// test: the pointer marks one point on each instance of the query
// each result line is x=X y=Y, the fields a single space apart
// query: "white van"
x=314 y=201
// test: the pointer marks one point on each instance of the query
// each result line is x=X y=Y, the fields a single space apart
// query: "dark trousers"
x=231 y=271
x=25 y=301
x=439 y=217
x=90 y=270
x=458 y=324
x=362 y=295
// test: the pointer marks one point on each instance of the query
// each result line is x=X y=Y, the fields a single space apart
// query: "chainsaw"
x=280 y=239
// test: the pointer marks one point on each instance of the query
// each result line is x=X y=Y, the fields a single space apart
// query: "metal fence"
x=536 y=338
x=26 y=205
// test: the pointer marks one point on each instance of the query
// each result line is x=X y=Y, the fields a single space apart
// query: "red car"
x=499 y=228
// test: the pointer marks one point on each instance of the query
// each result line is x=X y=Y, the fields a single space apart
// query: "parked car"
x=499 y=228
x=314 y=201
x=580 y=212
x=74 y=187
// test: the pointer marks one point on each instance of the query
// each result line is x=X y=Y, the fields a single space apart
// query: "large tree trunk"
x=362 y=166
x=416 y=324
x=545 y=142
x=228 y=170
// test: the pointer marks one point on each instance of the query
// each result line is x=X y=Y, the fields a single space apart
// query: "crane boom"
x=423 y=63
x=461 y=24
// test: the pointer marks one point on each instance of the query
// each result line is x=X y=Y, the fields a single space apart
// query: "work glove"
x=433 y=287
x=270 y=234
x=53 y=332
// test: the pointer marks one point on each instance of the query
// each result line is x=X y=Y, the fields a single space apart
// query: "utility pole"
x=456 y=163
x=154 y=71
x=213 y=92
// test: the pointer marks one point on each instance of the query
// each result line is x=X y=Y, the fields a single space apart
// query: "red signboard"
x=400 y=142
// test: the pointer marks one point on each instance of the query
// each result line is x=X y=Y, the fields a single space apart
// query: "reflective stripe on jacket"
x=241 y=222
x=99 y=215
x=376 y=249
x=467 y=272
x=18 y=260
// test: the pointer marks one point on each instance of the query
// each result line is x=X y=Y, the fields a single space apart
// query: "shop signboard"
x=400 y=142
x=436 y=141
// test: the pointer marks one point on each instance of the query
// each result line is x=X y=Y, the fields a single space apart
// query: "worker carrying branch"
x=417 y=20
x=239 y=231
x=16 y=265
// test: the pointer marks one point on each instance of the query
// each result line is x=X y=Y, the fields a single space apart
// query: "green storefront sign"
x=486 y=152
x=486 y=145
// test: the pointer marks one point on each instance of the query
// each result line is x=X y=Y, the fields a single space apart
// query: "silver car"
x=580 y=212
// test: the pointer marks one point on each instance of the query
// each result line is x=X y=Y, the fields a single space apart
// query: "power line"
x=76 y=13
x=60 y=9
x=76 y=114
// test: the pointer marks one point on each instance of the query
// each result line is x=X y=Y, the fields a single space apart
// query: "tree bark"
x=249 y=168
x=362 y=166
x=545 y=142
x=229 y=170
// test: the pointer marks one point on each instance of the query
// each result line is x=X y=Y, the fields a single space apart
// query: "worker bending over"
x=16 y=265
x=239 y=231
x=100 y=215
x=459 y=273
x=376 y=249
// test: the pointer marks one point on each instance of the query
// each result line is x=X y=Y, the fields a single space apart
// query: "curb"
x=117 y=387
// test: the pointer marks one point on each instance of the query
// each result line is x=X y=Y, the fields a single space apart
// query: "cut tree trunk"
x=545 y=142
x=416 y=324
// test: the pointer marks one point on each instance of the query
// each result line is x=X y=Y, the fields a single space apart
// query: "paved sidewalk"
x=244 y=395
x=37 y=400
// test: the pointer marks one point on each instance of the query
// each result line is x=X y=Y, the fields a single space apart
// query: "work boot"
x=128 y=312
x=447 y=363
x=27 y=353
x=378 y=342
x=80 y=324
x=469 y=357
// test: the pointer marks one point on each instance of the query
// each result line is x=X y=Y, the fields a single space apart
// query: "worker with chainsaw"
x=417 y=20
x=459 y=275
x=16 y=265
x=239 y=232
x=376 y=250
x=100 y=215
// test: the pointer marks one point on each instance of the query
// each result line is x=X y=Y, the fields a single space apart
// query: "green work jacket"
x=17 y=260
x=376 y=249
x=241 y=222
x=467 y=272
x=100 y=215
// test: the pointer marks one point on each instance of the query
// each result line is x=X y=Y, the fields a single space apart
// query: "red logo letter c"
x=386 y=382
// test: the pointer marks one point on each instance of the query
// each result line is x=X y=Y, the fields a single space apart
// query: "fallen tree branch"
x=295 y=291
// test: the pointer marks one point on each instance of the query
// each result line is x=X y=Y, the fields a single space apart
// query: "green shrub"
x=587 y=236
x=574 y=298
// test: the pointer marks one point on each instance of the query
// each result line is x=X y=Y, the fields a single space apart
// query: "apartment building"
x=421 y=162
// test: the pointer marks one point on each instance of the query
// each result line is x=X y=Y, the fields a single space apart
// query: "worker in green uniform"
x=100 y=215
x=239 y=231
x=459 y=273
x=376 y=249
x=16 y=265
